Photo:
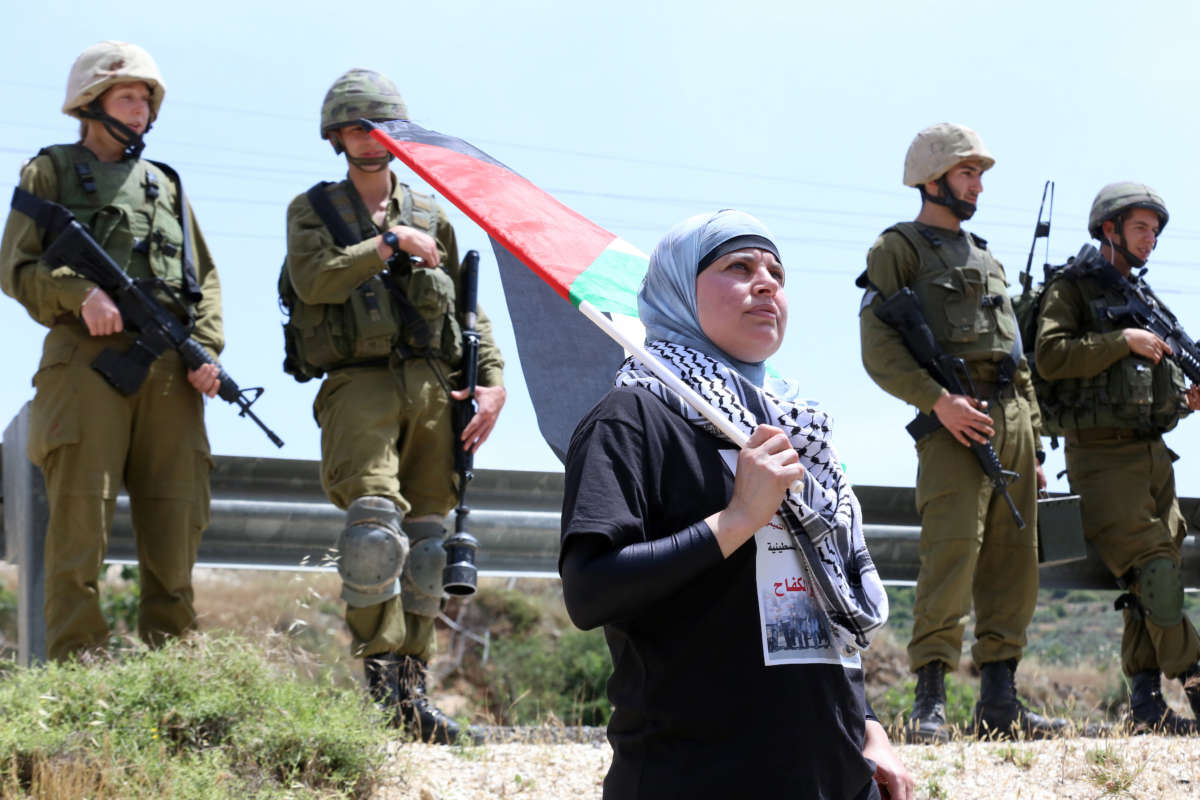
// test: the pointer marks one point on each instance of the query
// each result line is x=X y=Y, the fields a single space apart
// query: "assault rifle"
x=902 y=311
x=1141 y=310
x=459 y=576
x=157 y=329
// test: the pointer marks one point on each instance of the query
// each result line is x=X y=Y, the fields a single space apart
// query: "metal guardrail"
x=270 y=513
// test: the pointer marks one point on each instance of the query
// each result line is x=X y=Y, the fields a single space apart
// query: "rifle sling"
x=46 y=214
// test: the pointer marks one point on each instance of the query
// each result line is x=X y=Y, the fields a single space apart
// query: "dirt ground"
x=1140 y=768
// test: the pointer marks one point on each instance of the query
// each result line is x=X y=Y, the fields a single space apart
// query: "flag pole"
x=672 y=381
x=668 y=377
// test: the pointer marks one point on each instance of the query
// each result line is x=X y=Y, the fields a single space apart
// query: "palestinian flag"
x=543 y=249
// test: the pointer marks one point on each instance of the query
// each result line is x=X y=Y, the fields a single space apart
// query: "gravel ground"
x=1141 y=768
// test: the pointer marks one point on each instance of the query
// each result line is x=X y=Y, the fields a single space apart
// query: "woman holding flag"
x=735 y=588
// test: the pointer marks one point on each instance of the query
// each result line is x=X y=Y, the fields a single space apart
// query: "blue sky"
x=638 y=114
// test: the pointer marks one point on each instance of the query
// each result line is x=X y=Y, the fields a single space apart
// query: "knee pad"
x=421 y=583
x=1161 y=589
x=372 y=550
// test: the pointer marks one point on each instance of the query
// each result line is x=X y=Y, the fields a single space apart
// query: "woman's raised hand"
x=767 y=466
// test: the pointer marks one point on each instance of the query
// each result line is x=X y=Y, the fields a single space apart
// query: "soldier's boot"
x=927 y=723
x=382 y=672
x=1191 y=688
x=1150 y=712
x=423 y=719
x=1000 y=714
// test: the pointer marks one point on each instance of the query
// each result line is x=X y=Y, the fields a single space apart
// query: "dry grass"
x=306 y=607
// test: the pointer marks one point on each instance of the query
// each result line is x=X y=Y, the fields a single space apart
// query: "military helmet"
x=105 y=64
x=938 y=148
x=1121 y=196
x=360 y=94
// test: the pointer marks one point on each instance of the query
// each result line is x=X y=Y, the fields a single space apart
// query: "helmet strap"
x=1133 y=261
x=376 y=164
x=131 y=141
x=959 y=208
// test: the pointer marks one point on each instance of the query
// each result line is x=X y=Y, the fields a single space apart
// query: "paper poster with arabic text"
x=794 y=630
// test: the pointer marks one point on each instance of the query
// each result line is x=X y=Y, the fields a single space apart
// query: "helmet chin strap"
x=1133 y=261
x=130 y=140
x=375 y=164
x=1119 y=246
x=959 y=208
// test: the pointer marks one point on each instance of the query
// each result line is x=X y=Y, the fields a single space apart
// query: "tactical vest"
x=415 y=316
x=1133 y=393
x=126 y=205
x=967 y=305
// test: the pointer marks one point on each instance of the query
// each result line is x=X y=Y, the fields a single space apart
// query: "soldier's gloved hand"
x=1193 y=398
x=100 y=314
x=490 y=400
x=206 y=380
x=412 y=241
x=1146 y=344
x=963 y=416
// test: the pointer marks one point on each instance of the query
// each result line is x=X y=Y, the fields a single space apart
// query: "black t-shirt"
x=725 y=686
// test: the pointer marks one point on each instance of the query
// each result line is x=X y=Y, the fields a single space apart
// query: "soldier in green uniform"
x=971 y=547
x=384 y=408
x=1110 y=393
x=87 y=438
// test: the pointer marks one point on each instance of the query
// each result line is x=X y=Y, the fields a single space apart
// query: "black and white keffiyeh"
x=826 y=522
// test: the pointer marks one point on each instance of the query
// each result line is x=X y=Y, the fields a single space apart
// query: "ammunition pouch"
x=431 y=295
x=966 y=305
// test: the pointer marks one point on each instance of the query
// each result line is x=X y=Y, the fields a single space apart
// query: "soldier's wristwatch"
x=392 y=241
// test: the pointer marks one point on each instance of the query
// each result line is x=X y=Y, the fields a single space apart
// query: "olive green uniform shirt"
x=1064 y=349
x=892 y=264
x=322 y=272
x=49 y=294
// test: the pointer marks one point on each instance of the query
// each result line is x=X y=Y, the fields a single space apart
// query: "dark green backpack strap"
x=318 y=197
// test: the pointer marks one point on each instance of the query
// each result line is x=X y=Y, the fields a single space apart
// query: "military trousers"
x=1131 y=516
x=971 y=548
x=387 y=432
x=88 y=440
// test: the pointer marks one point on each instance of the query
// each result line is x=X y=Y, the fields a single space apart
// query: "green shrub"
x=518 y=609
x=897 y=701
x=8 y=613
x=208 y=717
x=530 y=679
x=119 y=603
